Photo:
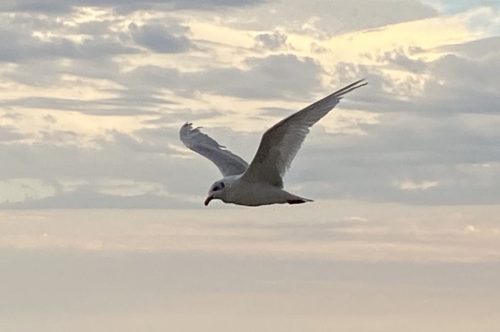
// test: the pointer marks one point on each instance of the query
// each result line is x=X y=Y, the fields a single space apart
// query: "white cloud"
x=471 y=229
x=414 y=185
x=18 y=190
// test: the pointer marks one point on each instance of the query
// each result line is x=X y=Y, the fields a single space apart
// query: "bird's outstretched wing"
x=227 y=162
x=281 y=142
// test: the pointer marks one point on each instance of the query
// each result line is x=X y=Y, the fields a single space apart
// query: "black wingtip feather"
x=351 y=87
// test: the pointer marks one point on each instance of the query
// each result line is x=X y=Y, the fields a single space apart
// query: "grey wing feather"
x=227 y=162
x=280 y=143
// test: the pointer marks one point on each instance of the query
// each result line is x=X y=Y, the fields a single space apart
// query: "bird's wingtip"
x=351 y=87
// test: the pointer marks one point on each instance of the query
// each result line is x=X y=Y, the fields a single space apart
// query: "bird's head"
x=216 y=191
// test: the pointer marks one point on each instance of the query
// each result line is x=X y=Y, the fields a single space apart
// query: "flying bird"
x=261 y=182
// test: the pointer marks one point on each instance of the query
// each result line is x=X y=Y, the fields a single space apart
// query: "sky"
x=102 y=225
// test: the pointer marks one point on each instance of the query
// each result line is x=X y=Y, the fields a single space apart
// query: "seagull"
x=261 y=182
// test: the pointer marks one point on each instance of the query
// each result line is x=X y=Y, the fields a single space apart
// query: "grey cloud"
x=8 y=134
x=272 y=41
x=99 y=47
x=160 y=38
x=50 y=119
x=475 y=49
x=21 y=39
x=399 y=58
x=12 y=116
x=30 y=22
x=367 y=167
x=58 y=136
x=461 y=85
x=325 y=17
x=111 y=158
x=144 y=158
x=475 y=75
x=261 y=14
x=458 y=84
x=122 y=105
x=400 y=147
x=20 y=46
x=87 y=197
x=149 y=78
x=410 y=142
x=95 y=27
x=27 y=22
x=48 y=6
x=274 y=111
x=182 y=115
x=47 y=72
x=135 y=100
x=213 y=4
x=420 y=138
x=284 y=76
x=122 y=6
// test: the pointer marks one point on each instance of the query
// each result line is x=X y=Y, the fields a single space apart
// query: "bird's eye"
x=218 y=186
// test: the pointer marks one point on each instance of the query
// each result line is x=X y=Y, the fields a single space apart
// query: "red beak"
x=208 y=199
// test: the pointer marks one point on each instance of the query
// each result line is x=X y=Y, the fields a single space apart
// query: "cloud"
x=282 y=75
x=86 y=197
x=9 y=134
x=413 y=185
x=121 y=105
x=365 y=166
x=141 y=91
x=399 y=58
x=159 y=38
x=125 y=6
x=97 y=176
x=475 y=49
x=326 y=18
x=409 y=142
x=18 y=46
x=429 y=114
x=449 y=7
x=454 y=83
x=272 y=41
x=461 y=85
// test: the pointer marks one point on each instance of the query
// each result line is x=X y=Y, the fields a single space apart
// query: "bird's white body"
x=241 y=192
x=261 y=182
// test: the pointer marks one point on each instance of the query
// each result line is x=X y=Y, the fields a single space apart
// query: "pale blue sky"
x=450 y=6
